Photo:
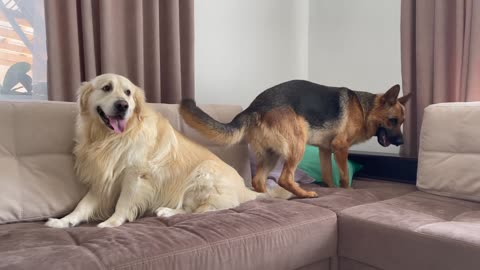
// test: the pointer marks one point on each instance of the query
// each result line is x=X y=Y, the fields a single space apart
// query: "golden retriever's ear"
x=83 y=94
x=139 y=98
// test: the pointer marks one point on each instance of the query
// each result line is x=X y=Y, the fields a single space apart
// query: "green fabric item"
x=310 y=164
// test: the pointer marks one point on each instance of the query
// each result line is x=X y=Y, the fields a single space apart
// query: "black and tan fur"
x=283 y=119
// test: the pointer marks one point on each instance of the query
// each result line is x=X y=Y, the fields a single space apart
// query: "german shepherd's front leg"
x=340 y=149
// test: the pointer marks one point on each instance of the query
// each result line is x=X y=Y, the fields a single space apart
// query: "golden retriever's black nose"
x=121 y=106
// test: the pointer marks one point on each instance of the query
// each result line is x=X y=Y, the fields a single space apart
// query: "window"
x=23 y=50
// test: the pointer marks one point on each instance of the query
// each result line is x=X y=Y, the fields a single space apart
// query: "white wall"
x=243 y=47
x=356 y=44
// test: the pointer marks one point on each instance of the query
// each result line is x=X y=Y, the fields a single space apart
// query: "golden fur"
x=147 y=168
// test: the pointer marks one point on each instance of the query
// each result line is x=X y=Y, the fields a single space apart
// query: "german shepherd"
x=282 y=119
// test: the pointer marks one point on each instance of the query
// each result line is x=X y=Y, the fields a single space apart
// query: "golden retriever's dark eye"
x=393 y=121
x=128 y=92
x=107 y=88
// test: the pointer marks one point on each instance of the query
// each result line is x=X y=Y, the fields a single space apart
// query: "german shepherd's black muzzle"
x=385 y=137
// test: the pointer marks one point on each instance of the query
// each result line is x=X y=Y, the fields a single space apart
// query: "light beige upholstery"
x=449 y=158
x=36 y=142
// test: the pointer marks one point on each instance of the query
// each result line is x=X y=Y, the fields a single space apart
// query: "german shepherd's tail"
x=221 y=133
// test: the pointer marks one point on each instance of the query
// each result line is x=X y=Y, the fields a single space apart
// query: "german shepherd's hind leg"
x=287 y=177
x=326 y=165
x=340 y=150
x=266 y=161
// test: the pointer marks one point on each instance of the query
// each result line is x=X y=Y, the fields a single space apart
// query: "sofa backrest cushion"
x=449 y=154
x=36 y=161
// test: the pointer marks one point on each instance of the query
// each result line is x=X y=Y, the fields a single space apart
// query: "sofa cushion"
x=262 y=234
x=449 y=150
x=36 y=161
x=414 y=231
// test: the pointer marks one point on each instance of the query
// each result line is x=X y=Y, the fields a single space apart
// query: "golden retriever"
x=134 y=162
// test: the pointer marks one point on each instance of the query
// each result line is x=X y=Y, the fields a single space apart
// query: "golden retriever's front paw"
x=57 y=223
x=110 y=223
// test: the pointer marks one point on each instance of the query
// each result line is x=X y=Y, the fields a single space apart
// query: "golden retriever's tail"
x=221 y=133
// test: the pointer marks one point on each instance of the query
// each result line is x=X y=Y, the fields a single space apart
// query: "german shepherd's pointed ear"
x=390 y=97
x=83 y=94
x=405 y=98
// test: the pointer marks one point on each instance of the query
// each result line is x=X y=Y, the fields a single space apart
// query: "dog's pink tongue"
x=117 y=124
x=383 y=139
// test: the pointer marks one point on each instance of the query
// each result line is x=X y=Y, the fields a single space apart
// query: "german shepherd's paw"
x=311 y=194
x=345 y=185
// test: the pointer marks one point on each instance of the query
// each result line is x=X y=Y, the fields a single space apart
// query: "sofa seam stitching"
x=358 y=261
x=415 y=211
x=455 y=201
x=450 y=152
x=414 y=231
x=385 y=202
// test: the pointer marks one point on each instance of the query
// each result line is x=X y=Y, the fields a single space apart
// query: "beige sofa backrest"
x=36 y=162
x=449 y=156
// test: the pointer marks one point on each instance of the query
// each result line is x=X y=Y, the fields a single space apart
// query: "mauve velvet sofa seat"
x=263 y=234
